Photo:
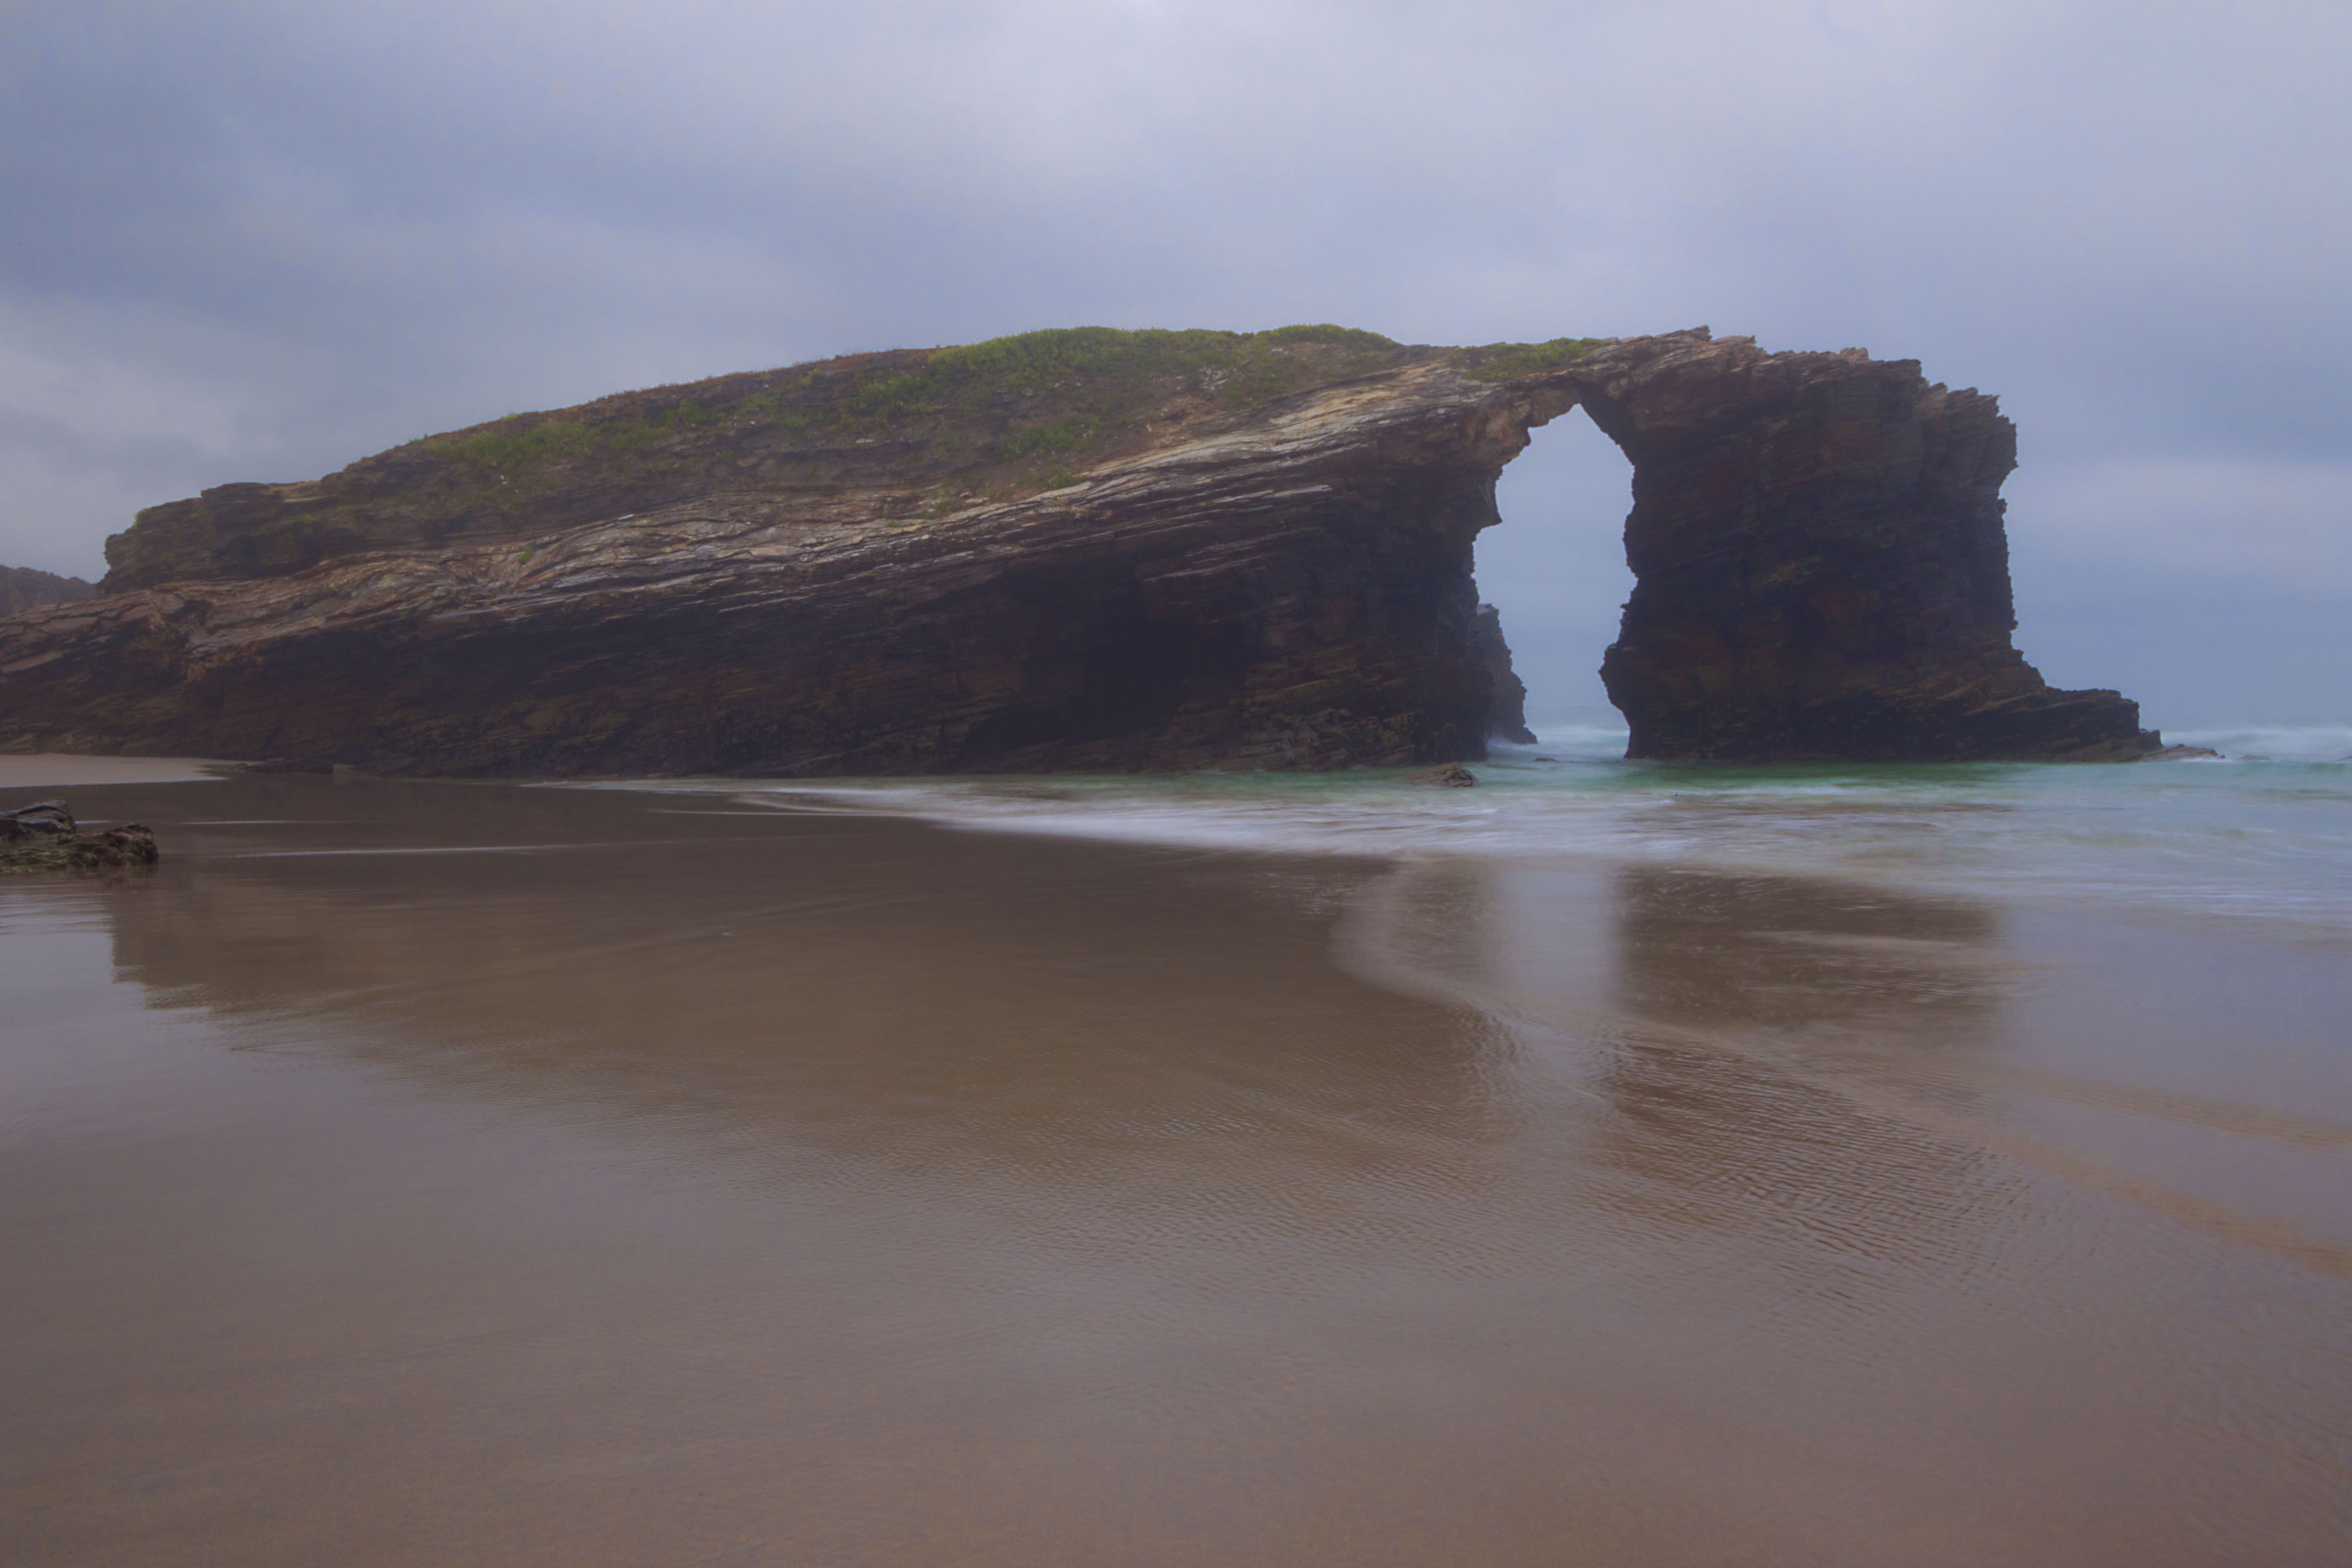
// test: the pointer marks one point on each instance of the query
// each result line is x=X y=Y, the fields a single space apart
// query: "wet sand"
x=413 y=1174
x=51 y=770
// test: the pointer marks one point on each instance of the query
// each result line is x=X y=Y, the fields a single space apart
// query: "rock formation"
x=44 y=836
x=1507 y=719
x=1822 y=571
x=1085 y=549
x=21 y=588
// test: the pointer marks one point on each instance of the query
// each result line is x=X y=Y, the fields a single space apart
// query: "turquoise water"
x=2261 y=838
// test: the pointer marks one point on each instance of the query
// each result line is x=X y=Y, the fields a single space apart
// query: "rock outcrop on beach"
x=23 y=588
x=44 y=836
x=1085 y=549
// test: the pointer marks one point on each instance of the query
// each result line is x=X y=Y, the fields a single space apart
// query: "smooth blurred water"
x=2264 y=833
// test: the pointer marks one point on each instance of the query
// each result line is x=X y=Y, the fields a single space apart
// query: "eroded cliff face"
x=1070 y=552
x=1822 y=570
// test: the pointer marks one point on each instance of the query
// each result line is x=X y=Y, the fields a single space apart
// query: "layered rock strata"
x=1822 y=569
x=1082 y=550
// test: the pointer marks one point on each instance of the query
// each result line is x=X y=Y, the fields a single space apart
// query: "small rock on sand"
x=43 y=836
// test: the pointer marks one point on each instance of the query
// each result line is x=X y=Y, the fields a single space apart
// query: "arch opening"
x=1555 y=568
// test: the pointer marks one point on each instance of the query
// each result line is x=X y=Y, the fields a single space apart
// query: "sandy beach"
x=410 y=1172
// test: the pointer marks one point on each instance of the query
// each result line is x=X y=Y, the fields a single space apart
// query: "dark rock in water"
x=44 y=838
x=22 y=588
x=1445 y=775
x=290 y=765
x=1507 y=719
x=2182 y=754
x=1089 y=549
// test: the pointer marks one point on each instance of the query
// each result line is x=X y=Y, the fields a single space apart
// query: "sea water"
x=2262 y=832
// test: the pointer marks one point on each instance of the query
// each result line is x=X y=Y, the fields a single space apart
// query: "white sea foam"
x=2316 y=743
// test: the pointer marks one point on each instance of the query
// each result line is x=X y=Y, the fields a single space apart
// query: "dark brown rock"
x=1507 y=719
x=1822 y=569
x=1081 y=551
x=44 y=838
x=1445 y=775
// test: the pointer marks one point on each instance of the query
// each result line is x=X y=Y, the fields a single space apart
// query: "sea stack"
x=1822 y=568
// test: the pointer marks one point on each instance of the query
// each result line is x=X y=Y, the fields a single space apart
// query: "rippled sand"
x=415 y=1173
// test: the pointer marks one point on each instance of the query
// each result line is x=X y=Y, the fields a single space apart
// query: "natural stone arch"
x=1821 y=562
x=796 y=573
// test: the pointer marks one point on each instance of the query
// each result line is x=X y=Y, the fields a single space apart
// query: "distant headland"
x=22 y=588
x=1085 y=549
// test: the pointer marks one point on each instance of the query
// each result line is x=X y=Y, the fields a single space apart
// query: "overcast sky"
x=255 y=240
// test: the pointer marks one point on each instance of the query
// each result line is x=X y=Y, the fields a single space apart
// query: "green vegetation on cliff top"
x=1110 y=370
x=1080 y=379
x=1502 y=362
x=991 y=421
x=1060 y=393
x=514 y=443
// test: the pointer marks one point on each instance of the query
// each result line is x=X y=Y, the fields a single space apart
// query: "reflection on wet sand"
x=922 y=997
x=1819 y=988
x=1709 y=949
x=1915 y=1016
x=1885 y=1005
x=529 y=1177
x=1749 y=1036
